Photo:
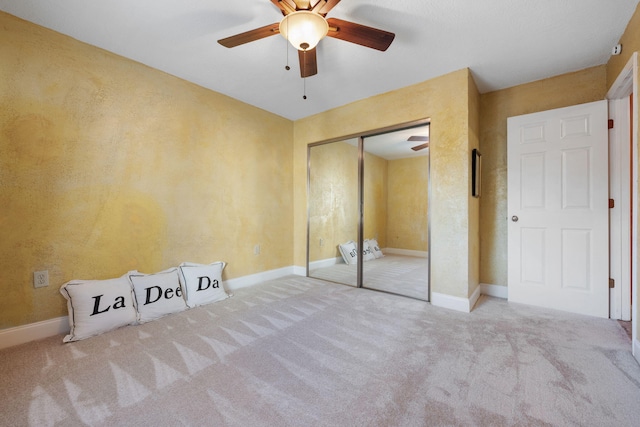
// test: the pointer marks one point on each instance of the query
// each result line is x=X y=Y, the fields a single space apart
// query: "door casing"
x=625 y=86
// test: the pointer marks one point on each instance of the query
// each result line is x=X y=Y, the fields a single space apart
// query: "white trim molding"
x=34 y=331
x=254 y=279
x=497 y=291
x=464 y=305
x=299 y=270
x=625 y=85
x=325 y=263
x=406 y=252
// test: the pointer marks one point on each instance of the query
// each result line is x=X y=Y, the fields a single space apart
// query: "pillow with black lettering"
x=202 y=283
x=157 y=294
x=98 y=306
x=349 y=252
x=375 y=248
x=367 y=251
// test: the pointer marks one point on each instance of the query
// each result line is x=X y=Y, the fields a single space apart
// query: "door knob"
x=514 y=218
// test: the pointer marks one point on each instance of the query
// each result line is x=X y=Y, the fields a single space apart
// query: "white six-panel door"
x=558 y=236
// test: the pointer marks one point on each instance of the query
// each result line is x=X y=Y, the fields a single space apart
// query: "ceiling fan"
x=421 y=139
x=305 y=24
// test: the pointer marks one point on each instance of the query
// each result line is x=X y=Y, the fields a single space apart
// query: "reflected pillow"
x=349 y=252
x=98 y=306
x=367 y=251
x=375 y=248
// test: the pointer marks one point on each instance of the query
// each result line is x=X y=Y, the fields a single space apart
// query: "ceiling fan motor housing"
x=304 y=29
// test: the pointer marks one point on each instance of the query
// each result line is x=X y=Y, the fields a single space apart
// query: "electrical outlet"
x=321 y=241
x=256 y=250
x=40 y=279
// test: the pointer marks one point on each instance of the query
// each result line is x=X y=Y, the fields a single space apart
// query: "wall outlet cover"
x=41 y=278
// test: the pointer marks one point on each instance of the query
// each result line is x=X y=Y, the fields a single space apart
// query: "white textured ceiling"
x=503 y=42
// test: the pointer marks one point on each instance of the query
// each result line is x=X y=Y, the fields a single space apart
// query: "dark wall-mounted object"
x=476 y=172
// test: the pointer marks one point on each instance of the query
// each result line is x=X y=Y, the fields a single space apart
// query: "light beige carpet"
x=301 y=352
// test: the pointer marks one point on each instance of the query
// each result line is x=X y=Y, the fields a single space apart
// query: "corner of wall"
x=450 y=302
x=474 y=202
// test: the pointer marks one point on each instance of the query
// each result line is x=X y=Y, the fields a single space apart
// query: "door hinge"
x=612 y=204
x=610 y=124
x=612 y=283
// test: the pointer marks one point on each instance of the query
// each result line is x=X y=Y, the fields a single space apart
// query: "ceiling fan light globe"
x=304 y=29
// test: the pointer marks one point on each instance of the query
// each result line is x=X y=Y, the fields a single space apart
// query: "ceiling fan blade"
x=308 y=62
x=249 y=36
x=286 y=6
x=418 y=138
x=330 y=5
x=360 y=34
x=420 y=147
x=278 y=3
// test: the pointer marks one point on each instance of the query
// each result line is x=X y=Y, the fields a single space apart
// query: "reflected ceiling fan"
x=423 y=139
x=305 y=24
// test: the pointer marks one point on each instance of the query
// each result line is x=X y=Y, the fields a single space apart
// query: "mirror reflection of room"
x=395 y=239
x=396 y=182
x=333 y=209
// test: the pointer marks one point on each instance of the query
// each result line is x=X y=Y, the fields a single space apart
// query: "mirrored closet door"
x=332 y=210
x=396 y=182
x=368 y=210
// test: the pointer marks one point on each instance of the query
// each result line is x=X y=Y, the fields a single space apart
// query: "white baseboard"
x=326 y=262
x=299 y=271
x=455 y=303
x=33 y=331
x=636 y=350
x=254 y=279
x=406 y=252
x=47 y=328
x=494 y=290
x=473 y=299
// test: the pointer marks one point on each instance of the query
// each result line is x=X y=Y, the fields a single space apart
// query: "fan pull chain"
x=286 y=67
x=304 y=79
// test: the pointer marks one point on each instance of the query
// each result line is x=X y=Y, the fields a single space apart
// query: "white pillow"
x=202 y=283
x=375 y=248
x=98 y=306
x=157 y=294
x=349 y=252
x=367 y=252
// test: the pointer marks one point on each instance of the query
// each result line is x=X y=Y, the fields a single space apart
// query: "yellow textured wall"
x=474 y=203
x=555 y=92
x=445 y=100
x=407 y=204
x=630 y=41
x=108 y=165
